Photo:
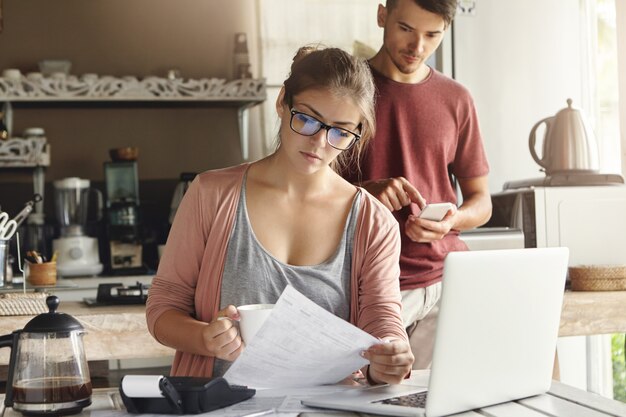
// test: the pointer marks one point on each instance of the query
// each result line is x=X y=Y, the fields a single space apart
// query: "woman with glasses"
x=242 y=234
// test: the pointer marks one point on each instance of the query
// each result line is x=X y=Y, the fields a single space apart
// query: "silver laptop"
x=496 y=336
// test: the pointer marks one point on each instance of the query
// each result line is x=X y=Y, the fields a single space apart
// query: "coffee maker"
x=77 y=253
x=48 y=375
x=123 y=220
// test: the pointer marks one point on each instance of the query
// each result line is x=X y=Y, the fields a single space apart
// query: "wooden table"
x=593 y=312
x=120 y=332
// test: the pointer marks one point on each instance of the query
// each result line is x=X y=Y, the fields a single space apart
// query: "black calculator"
x=188 y=395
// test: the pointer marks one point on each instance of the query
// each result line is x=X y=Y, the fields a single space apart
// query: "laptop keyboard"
x=417 y=400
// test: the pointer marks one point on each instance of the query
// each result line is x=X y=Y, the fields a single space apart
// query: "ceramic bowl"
x=127 y=153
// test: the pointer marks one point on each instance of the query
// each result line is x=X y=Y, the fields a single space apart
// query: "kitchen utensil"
x=41 y=274
x=127 y=153
x=12 y=74
x=7 y=226
x=48 y=373
x=55 y=66
x=569 y=145
x=6 y=274
x=28 y=208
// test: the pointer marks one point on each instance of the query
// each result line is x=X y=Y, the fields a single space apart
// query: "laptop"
x=496 y=337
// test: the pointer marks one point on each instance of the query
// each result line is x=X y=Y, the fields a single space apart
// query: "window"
x=286 y=25
x=604 y=91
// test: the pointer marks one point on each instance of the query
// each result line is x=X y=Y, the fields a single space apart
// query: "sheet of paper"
x=285 y=403
x=300 y=344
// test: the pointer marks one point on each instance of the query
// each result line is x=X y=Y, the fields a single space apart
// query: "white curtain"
x=286 y=25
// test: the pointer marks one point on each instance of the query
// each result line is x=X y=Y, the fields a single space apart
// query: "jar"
x=34 y=132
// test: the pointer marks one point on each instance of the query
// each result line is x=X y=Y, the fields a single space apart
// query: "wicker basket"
x=598 y=278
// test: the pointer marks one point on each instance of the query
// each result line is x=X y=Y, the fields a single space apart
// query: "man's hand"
x=390 y=362
x=423 y=231
x=395 y=193
x=221 y=337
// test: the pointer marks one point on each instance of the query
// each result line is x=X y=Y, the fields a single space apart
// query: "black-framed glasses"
x=337 y=137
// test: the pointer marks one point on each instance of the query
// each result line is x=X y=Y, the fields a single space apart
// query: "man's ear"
x=280 y=102
x=381 y=16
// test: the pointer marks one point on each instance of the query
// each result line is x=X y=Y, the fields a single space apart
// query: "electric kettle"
x=569 y=145
x=48 y=373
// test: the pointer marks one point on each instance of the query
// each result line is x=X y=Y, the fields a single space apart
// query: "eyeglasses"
x=336 y=137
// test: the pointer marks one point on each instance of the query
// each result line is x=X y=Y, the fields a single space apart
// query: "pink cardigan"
x=190 y=271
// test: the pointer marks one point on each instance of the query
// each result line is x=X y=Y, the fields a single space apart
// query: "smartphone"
x=436 y=211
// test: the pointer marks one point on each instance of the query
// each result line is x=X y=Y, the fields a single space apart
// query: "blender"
x=77 y=253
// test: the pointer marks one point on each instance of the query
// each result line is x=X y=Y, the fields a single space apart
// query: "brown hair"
x=446 y=9
x=316 y=67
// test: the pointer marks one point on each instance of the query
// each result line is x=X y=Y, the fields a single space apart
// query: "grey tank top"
x=252 y=275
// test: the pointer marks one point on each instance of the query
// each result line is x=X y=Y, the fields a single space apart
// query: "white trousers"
x=420 y=308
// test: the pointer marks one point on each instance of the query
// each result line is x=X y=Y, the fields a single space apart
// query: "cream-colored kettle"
x=569 y=145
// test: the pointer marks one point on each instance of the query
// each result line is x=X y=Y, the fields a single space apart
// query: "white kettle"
x=569 y=145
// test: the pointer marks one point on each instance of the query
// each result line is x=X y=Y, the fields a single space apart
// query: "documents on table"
x=300 y=344
x=285 y=403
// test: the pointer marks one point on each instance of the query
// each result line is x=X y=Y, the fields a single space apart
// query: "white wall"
x=521 y=60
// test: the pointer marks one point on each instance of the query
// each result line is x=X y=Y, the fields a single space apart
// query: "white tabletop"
x=561 y=401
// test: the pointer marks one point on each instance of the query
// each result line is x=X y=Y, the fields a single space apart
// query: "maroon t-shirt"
x=424 y=132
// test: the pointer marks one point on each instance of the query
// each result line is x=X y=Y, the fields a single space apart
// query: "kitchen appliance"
x=117 y=293
x=48 y=372
x=77 y=253
x=181 y=188
x=587 y=220
x=569 y=145
x=123 y=221
x=570 y=153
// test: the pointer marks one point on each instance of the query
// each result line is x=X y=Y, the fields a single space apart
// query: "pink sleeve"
x=174 y=286
x=379 y=298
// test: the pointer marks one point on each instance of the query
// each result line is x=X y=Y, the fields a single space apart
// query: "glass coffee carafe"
x=48 y=372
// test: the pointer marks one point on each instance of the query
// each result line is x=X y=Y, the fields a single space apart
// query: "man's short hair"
x=444 y=8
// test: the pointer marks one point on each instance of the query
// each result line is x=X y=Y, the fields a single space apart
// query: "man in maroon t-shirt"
x=427 y=130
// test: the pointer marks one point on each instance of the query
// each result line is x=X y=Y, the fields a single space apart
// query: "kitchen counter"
x=113 y=332
x=75 y=289
x=120 y=332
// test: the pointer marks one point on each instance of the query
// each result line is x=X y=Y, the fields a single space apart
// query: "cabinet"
x=60 y=88
x=590 y=221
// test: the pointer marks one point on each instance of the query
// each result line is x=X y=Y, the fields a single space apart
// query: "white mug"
x=251 y=318
x=12 y=74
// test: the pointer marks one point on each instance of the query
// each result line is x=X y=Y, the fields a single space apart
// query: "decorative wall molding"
x=29 y=152
x=92 y=87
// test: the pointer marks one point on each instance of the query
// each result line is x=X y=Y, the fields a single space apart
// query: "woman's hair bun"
x=306 y=50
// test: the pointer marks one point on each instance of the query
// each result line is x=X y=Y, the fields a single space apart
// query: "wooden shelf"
x=24 y=153
x=92 y=88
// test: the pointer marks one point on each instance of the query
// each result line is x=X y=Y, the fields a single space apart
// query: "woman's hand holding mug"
x=221 y=336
